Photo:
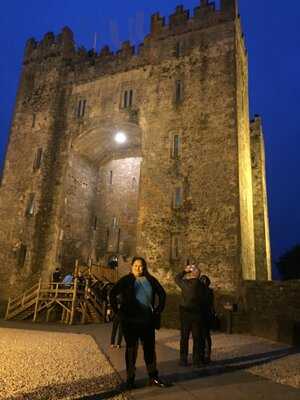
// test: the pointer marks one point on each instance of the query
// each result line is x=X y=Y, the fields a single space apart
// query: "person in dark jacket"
x=193 y=310
x=142 y=302
x=209 y=317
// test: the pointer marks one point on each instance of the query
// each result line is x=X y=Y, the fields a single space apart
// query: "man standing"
x=139 y=316
x=192 y=314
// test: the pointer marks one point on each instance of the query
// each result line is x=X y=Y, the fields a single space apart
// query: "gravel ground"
x=45 y=365
x=271 y=360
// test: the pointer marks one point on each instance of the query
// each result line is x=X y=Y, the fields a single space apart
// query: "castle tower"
x=142 y=152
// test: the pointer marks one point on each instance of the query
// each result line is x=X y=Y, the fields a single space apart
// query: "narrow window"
x=178 y=197
x=38 y=159
x=107 y=238
x=30 y=205
x=81 y=108
x=61 y=234
x=178 y=49
x=22 y=255
x=175 y=251
x=175 y=146
x=134 y=183
x=130 y=98
x=95 y=223
x=125 y=102
x=118 y=242
x=114 y=222
x=179 y=91
x=110 y=177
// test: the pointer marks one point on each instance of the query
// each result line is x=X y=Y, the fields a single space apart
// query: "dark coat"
x=195 y=296
x=130 y=308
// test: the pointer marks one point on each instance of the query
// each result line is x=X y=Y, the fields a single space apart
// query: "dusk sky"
x=272 y=31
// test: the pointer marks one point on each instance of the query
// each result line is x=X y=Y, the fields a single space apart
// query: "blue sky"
x=272 y=34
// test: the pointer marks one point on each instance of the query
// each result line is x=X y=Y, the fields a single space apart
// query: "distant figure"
x=117 y=328
x=209 y=317
x=56 y=275
x=68 y=280
x=192 y=314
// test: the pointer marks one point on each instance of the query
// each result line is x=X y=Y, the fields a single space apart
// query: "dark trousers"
x=116 y=328
x=133 y=332
x=191 y=323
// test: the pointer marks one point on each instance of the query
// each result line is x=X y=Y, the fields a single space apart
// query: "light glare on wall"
x=120 y=137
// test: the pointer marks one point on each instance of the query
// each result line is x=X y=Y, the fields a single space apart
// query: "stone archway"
x=101 y=193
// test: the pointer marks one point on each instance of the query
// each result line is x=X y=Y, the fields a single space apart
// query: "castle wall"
x=77 y=212
x=192 y=198
x=260 y=204
x=247 y=256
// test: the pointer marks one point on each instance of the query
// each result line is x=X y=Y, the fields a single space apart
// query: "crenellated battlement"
x=181 y=21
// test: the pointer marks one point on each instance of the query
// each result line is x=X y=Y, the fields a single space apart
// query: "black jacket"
x=130 y=309
x=195 y=296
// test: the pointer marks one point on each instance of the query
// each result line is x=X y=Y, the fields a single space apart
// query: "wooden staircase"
x=76 y=303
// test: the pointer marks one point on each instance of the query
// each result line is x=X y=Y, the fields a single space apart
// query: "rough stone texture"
x=213 y=222
x=273 y=309
x=263 y=263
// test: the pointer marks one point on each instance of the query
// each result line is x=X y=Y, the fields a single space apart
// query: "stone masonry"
x=181 y=185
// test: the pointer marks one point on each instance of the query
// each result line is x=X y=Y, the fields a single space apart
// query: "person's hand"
x=187 y=269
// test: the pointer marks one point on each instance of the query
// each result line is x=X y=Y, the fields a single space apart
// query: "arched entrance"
x=100 y=211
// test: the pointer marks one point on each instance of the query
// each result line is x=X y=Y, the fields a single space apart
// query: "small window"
x=95 y=223
x=107 y=238
x=175 y=146
x=179 y=91
x=175 y=247
x=22 y=255
x=114 y=222
x=38 y=159
x=178 y=49
x=177 y=197
x=110 y=177
x=30 y=205
x=127 y=100
x=81 y=108
x=134 y=183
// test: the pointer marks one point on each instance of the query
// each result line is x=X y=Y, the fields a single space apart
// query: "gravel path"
x=277 y=361
x=45 y=365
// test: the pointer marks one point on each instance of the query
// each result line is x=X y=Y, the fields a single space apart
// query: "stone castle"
x=145 y=151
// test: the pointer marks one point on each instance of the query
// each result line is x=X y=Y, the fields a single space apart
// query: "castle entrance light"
x=120 y=137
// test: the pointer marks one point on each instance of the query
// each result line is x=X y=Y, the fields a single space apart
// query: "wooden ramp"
x=82 y=302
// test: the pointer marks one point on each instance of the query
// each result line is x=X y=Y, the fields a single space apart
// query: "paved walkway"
x=227 y=379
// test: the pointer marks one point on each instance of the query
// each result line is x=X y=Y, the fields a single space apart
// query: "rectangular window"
x=179 y=91
x=22 y=255
x=95 y=223
x=38 y=159
x=114 y=222
x=178 y=49
x=175 y=146
x=30 y=205
x=81 y=108
x=125 y=103
x=110 y=177
x=127 y=99
x=130 y=98
x=175 y=247
x=178 y=197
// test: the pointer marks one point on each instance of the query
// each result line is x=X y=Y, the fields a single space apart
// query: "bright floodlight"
x=120 y=137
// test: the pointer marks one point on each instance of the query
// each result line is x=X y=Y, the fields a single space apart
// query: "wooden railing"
x=48 y=296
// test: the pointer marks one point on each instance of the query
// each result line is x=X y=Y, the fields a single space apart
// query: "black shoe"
x=158 y=382
x=130 y=384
